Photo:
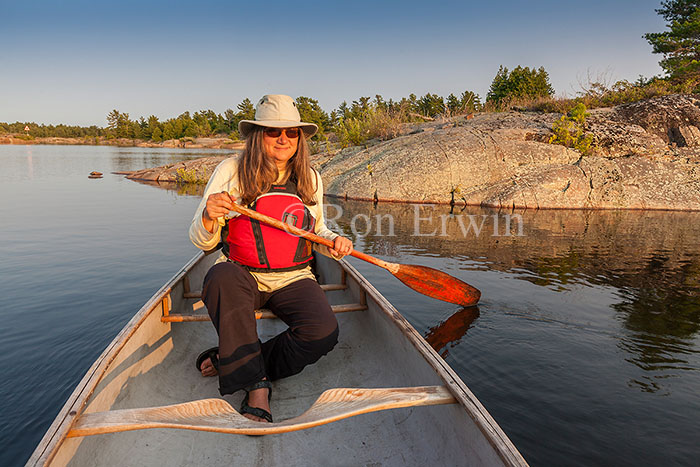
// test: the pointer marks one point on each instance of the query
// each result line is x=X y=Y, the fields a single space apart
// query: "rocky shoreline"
x=646 y=156
x=190 y=143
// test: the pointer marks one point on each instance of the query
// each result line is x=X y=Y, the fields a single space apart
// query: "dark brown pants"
x=230 y=294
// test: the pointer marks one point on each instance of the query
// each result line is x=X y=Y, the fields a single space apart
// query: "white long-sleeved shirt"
x=225 y=178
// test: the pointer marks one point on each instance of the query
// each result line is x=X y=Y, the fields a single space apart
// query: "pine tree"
x=113 y=119
x=230 y=121
x=431 y=105
x=343 y=110
x=168 y=131
x=153 y=124
x=246 y=110
x=120 y=124
x=311 y=111
x=412 y=103
x=178 y=126
x=452 y=103
x=680 y=45
x=157 y=135
x=469 y=102
x=521 y=83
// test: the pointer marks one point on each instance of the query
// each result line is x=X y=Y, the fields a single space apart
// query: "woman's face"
x=279 y=146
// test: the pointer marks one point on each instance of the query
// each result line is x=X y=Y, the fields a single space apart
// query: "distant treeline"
x=369 y=118
x=60 y=131
x=206 y=123
x=366 y=118
x=350 y=123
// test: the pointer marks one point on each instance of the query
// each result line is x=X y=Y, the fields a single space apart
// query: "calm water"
x=584 y=347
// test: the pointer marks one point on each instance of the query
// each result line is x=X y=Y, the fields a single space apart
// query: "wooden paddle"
x=422 y=279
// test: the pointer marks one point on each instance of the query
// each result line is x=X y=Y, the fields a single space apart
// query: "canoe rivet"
x=72 y=412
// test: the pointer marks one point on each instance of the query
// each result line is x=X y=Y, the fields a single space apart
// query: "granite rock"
x=198 y=169
x=647 y=156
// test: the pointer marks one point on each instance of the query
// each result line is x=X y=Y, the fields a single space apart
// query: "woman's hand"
x=341 y=247
x=218 y=205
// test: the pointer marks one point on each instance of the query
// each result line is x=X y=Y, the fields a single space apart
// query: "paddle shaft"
x=422 y=279
x=391 y=267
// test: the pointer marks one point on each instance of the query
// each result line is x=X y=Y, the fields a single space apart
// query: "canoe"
x=383 y=396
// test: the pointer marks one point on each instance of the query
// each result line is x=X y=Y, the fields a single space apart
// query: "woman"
x=261 y=265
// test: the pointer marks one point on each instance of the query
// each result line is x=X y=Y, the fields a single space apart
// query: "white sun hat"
x=276 y=111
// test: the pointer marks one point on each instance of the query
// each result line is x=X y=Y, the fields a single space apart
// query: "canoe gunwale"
x=74 y=406
x=505 y=448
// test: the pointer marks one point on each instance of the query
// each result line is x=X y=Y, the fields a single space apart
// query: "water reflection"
x=126 y=159
x=451 y=330
x=123 y=162
x=30 y=166
x=662 y=314
x=183 y=189
x=650 y=258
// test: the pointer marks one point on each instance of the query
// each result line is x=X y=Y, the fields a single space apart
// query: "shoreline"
x=513 y=209
x=185 y=143
x=646 y=157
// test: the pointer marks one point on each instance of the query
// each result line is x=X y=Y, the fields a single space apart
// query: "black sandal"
x=257 y=411
x=211 y=354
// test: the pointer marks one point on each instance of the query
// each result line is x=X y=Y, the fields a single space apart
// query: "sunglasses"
x=292 y=133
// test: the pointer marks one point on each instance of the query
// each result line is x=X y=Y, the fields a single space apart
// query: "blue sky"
x=74 y=61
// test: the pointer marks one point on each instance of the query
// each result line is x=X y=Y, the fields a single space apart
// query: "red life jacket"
x=260 y=247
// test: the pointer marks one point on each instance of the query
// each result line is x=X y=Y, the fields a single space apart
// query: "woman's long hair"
x=257 y=172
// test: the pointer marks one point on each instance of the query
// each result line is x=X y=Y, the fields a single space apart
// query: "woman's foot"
x=258 y=398
x=256 y=403
x=208 y=362
x=208 y=368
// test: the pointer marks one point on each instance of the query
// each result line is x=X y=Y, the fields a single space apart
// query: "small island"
x=642 y=155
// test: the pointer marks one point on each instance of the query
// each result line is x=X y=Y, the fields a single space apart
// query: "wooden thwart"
x=218 y=415
x=324 y=287
x=259 y=314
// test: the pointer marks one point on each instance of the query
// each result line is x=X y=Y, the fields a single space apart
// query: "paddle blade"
x=437 y=284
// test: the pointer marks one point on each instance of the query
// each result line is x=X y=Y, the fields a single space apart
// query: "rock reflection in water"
x=128 y=159
x=663 y=314
x=183 y=189
x=651 y=259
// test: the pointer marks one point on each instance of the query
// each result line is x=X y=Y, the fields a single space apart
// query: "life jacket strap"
x=252 y=269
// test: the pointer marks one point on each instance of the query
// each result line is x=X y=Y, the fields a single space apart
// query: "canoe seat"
x=218 y=415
